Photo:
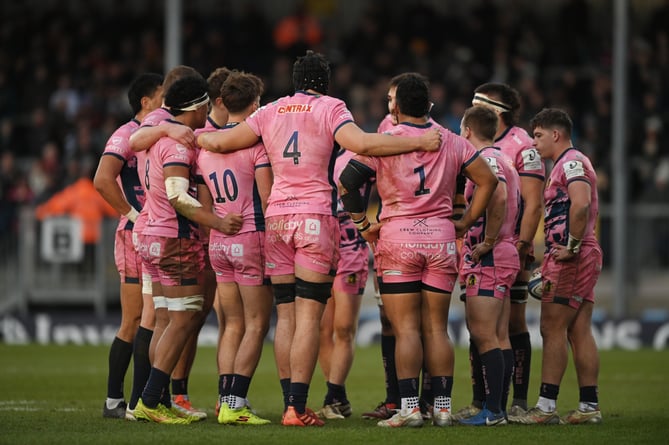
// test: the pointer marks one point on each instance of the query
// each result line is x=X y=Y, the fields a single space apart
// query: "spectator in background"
x=296 y=33
x=82 y=201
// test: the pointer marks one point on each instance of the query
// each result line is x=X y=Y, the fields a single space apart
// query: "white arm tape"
x=132 y=214
x=177 y=187
x=182 y=304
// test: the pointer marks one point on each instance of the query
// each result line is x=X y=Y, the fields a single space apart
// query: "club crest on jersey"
x=531 y=159
x=573 y=169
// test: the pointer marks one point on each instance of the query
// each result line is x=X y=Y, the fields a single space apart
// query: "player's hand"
x=561 y=253
x=430 y=140
x=183 y=134
x=460 y=227
x=231 y=223
x=479 y=251
x=371 y=235
x=523 y=250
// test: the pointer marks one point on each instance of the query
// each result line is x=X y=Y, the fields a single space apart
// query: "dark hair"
x=216 y=80
x=482 y=121
x=412 y=94
x=240 y=90
x=311 y=72
x=178 y=72
x=184 y=93
x=144 y=85
x=505 y=94
x=552 y=118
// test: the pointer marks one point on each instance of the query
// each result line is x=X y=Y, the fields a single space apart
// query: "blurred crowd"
x=64 y=73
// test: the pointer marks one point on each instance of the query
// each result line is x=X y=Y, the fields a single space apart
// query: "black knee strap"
x=313 y=291
x=284 y=293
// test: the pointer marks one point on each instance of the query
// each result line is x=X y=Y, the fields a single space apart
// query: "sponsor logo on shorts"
x=284 y=225
x=237 y=250
x=154 y=249
x=312 y=227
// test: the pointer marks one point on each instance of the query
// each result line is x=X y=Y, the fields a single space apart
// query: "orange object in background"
x=79 y=200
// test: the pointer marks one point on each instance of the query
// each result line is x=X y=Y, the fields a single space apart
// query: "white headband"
x=193 y=104
x=482 y=99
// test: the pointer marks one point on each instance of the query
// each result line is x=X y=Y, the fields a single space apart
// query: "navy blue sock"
x=426 y=393
x=155 y=388
x=285 y=389
x=493 y=375
x=409 y=390
x=141 y=364
x=549 y=391
x=522 y=352
x=508 y=375
x=478 y=388
x=225 y=384
x=240 y=385
x=442 y=386
x=336 y=393
x=298 y=396
x=588 y=394
x=180 y=386
x=165 y=399
x=120 y=354
x=388 y=355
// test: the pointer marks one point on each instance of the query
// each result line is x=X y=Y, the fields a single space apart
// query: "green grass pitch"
x=54 y=395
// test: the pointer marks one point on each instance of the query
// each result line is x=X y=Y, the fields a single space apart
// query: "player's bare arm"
x=145 y=137
x=105 y=183
x=579 y=195
x=495 y=214
x=481 y=174
x=374 y=144
x=531 y=190
x=233 y=139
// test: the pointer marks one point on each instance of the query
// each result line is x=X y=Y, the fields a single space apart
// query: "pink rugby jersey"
x=572 y=165
x=417 y=188
x=298 y=133
x=119 y=147
x=209 y=125
x=386 y=124
x=163 y=220
x=156 y=117
x=518 y=145
x=230 y=178
x=503 y=168
x=152 y=119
